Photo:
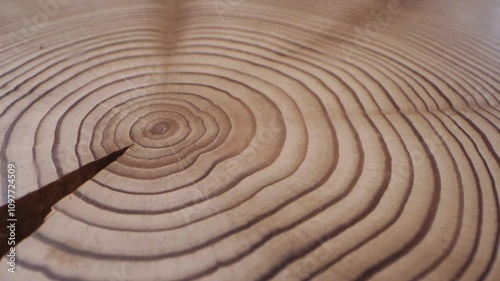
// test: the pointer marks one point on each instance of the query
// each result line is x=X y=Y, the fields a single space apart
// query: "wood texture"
x=283 y=140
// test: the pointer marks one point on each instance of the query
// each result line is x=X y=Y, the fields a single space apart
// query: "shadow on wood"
x=32 y=209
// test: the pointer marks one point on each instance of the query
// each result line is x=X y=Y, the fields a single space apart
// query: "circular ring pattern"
x=265 y=140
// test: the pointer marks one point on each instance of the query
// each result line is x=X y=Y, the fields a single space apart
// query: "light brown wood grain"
x=265 y=140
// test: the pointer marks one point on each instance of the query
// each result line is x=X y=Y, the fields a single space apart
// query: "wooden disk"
x=263 y=140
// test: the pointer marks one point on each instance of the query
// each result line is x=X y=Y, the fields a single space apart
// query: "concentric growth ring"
x=282 y=140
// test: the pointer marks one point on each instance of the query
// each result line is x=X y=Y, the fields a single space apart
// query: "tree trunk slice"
x=284 y=140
